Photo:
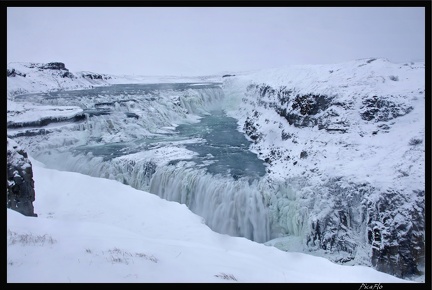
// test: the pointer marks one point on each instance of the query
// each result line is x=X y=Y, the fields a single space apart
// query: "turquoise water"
x=222 y=150
x=223 y=145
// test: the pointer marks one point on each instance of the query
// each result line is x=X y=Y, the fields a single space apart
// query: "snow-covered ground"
x=98 y=230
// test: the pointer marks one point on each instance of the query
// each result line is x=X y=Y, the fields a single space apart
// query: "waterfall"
x=114 y=146
x=233 y=207
x=230 y=206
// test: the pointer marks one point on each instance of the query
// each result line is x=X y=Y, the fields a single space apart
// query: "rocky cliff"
x=346 y=143
x=20 y=183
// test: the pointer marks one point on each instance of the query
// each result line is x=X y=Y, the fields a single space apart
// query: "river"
x=205 y=162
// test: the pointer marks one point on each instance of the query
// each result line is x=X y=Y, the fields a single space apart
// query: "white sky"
x=198 y=41
x=98 y=230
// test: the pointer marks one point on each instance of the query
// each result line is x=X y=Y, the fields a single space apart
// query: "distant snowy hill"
x=25 y=78
x=344 y=147
x=39 y=77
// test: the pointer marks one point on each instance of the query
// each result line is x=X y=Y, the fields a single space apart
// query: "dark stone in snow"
x=303 y=154
x=132 y=115
x=67 y=75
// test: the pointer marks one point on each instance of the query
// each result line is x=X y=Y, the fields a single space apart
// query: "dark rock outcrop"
x=58 y=66
x=299 y=110
x=47 y=120
x=95 y=76
x=55 y=66
x=379 y=109
x=67 y=74
x=20 y=184
x=396 y=226
x=13 y=73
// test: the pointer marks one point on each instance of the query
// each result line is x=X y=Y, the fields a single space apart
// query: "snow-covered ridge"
x=363 y=99
x=377 y=75
x=39 y=77
x=24 y=78
x=28 y=114
x=348 y=142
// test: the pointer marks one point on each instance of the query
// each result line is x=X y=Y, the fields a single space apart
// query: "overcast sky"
x=193 y=41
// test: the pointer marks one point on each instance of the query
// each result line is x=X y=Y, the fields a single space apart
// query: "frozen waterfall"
x=146 y=151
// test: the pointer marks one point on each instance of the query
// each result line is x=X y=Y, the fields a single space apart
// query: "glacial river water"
x=220 y=181
x=220 y=148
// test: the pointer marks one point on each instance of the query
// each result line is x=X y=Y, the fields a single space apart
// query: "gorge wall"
x=347 y=143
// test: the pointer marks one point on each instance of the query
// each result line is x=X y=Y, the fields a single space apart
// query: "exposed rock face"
x=396 y=232
x=56 y=68
x=54 y=65
x=13 y=73
x=95 y=76
x=300 y=110
x=20 y=184
x=378 y=109
x=47 y=120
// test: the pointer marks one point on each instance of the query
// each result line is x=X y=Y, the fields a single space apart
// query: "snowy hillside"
x=343 y=147
x=38 y=77
x=336 y=112
x=348 y=142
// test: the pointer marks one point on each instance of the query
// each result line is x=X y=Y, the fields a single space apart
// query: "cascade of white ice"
x=229 y=206
x=291 y=215
x=153 y=114
x=134 y=173
x=234 y=207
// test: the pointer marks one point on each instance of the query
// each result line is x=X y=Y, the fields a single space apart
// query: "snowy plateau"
x=326 y=160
